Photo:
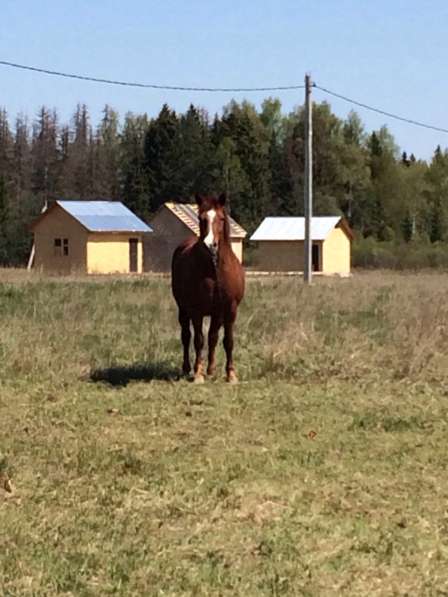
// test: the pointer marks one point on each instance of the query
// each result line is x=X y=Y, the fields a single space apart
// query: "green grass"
x=322 y=473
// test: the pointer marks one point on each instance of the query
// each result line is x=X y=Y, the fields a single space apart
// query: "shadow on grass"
x=121 y=375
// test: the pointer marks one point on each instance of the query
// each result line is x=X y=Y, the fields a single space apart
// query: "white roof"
x=294 y=228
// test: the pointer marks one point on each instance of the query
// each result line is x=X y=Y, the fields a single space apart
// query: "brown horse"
x=208 y=280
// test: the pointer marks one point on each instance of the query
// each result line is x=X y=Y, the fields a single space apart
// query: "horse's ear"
x=222 y=199
x=199 y=199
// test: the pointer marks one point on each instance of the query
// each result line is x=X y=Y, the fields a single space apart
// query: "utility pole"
x=307 y=270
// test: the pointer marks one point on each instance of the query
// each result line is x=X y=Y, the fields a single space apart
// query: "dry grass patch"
x=323 y=472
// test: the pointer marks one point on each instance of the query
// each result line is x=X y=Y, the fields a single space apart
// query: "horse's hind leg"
x=229 y=320
x=213 y=335
x=184 y=321
x=198 y=345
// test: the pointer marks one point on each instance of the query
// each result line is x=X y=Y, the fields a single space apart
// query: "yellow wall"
x=59 y=224
x=281 y=256
x=169 y=232
x=109 y=253
x=336 y=253
x=237 y=248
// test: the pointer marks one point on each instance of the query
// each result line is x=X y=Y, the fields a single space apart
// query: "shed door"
x=133 y=252
x=316 y=258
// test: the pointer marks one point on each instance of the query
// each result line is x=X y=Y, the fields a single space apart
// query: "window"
x=61 y=247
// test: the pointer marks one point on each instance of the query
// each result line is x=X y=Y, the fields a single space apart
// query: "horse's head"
x=213 y=224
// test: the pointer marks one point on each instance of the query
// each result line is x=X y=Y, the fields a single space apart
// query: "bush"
x=370 y=253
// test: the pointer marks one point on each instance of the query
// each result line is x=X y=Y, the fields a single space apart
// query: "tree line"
x=256 y=156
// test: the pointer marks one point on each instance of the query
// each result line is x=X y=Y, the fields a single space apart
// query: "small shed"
x=172 y=224
x=93 y=237
x=280 y=244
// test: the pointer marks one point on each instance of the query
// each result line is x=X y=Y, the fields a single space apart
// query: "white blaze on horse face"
x=209 y=239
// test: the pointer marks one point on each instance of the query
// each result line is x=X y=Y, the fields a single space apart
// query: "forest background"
x=396 y=203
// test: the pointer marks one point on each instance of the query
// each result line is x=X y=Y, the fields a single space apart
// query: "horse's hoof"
x=198 y=379
x=232 y=378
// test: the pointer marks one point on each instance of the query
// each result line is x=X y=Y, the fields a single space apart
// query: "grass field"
x=324 y=472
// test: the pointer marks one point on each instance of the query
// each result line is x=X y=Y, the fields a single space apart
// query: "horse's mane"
x=226 y=227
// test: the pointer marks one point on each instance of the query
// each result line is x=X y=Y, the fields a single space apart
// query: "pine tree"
x=78 y=167
x=134 y=180
x=44 y=154
x=6 y=145
x=4 y=222
x=243 y=126
x=22 y=159
x=161 y=158
x=437 y=222
x=437 y=195
x=229 y=176
x=106 y=150
x=194 y=153
x=281 y=188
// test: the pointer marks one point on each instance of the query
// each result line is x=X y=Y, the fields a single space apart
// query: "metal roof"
x=188 y=214
x=104 y=216
x=294 y=228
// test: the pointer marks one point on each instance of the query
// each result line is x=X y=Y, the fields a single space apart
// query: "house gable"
x=187 y=213
x=336 y=252
x=344 y=225
x=168 y=224
x=52 y=231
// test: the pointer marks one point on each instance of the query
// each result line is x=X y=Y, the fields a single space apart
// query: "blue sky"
x=390 y=54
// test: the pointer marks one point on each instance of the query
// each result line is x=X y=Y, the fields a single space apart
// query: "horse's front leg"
x=229 y=320
x=213 y=335
x=184 y=321
x=198 y=345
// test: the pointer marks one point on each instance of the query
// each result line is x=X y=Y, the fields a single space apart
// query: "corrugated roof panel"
x=188 y=216
x=188 y=213
x=104 y=216
x=294 y=228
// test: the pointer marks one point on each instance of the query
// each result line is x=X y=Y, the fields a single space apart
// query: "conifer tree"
x=44 y=154
x=106 y=156
x=437 y=196
x=161 y=163
x=79 y=169
x=134 y=179
x=22 y=166
x=4 y=221
x=6 y=145
x=194 y=153
x=251 y=143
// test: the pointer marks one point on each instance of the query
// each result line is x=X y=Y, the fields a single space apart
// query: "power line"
x=379 y=111
x=218 y=89
x=148 y=85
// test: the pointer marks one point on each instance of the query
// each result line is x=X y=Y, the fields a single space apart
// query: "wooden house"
x=280 y=245
x=94 y=237
x=174 y=223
